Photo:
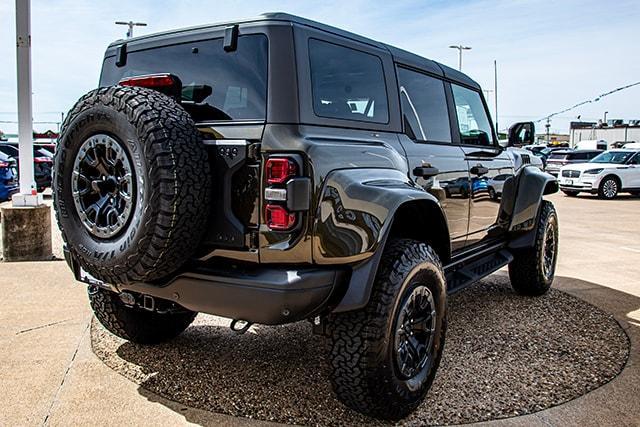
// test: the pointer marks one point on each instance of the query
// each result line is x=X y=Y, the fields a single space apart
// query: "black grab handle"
x=426 y=171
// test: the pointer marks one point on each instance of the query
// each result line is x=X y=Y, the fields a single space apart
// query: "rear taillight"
x=280 y=172
x=4 y=165
x=279 y=169
x=42 y=160
x=279 y=218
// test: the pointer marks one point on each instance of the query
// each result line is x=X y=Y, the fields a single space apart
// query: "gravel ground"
x=505 y=356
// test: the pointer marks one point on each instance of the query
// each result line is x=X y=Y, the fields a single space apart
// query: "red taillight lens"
x=4 y=165
x=278 y=170
x=152 y=81
x=278 y=218
x=42 y=160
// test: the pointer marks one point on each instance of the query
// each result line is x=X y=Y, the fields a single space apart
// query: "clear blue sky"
x=550 y=54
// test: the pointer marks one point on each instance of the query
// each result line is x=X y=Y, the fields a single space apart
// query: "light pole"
x=460 y=49
x=28 y=195
x=131 y=24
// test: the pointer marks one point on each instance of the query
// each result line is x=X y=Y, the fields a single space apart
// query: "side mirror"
x=522 y=133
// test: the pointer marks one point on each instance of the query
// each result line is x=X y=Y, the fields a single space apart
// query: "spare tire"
x=131 y=184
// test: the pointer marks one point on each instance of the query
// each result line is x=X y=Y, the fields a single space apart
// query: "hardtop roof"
x=399 y=55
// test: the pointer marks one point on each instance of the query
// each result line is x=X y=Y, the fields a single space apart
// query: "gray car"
x=561 y=158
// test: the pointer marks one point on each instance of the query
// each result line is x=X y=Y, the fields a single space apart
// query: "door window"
x=424 y=107
x=347 y=84
x=473 y=122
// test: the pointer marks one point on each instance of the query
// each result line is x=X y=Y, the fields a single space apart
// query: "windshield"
x=619 y=157
x=216 y=85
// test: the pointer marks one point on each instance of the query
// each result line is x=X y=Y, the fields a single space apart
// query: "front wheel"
x=383 y=357
x=609 y=188
x=532 y=270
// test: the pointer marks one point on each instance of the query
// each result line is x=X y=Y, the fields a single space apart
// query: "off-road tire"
x=570 y=193
x=136 y=324
x=360 y=344
x=171 y=176
x=603 y=192
x=527 y=272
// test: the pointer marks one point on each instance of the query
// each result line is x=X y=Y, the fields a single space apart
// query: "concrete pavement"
x=50 y=377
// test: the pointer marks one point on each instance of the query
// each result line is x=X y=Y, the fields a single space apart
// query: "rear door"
x=428 y=142
x=485 y=159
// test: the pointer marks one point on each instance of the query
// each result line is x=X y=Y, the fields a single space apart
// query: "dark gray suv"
x=277 y=169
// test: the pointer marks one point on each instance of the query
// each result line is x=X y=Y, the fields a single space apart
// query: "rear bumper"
x=269 y=296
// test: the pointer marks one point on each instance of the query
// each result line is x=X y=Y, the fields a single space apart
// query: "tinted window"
x=635 y=160
x=558 y=156
x=347 y=84
x=578 y=156
x=424 y=107
x=473 y=121
x=216 y=85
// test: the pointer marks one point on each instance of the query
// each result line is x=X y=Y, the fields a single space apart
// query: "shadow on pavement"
x=506 y=355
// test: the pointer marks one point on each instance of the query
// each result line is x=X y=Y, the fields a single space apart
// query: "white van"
x=592 y=144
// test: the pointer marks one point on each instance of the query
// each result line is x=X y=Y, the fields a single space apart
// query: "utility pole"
x=495 y=90
x=548 y=126
x=460 y=49
x=487 y=96
x=131 y=24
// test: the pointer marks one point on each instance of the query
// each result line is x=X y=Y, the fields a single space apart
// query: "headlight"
x=593 y=171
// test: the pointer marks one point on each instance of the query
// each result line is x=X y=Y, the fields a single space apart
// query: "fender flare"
x=354 y=218
x=531 y=184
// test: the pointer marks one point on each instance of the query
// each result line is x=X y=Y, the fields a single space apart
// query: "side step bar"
x=465 y=272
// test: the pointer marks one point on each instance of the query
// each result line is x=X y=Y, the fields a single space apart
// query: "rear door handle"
x=479 y=170
x=426 y=171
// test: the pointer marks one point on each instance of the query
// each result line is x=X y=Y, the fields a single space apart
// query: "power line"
x=596 y=99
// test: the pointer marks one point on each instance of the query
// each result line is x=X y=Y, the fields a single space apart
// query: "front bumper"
x=269 y=296
x=586 y=183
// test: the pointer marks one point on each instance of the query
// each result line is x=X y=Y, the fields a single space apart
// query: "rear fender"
x=355 y=216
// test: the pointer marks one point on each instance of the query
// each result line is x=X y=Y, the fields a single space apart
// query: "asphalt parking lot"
x=51 y=375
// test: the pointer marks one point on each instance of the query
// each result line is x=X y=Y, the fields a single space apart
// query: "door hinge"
x=253 y=152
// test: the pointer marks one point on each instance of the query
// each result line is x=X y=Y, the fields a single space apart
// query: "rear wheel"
x=384 y=357
x=609 y=187
x=136 y=324
x=570 y=193
x=532 y=270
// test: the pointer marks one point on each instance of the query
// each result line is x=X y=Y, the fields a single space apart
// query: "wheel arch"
x=523 y=203
x=359 y=211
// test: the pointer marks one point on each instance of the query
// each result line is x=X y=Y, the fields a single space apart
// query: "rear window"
x=216 y=85
x=578 y=156
x=347 y=83
x=557 y=156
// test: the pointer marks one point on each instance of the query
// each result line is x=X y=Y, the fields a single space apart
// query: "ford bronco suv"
x=277 y=169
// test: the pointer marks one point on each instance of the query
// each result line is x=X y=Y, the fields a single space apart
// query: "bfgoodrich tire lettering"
x=364 y=369
x=532 y=270
x=171 y=184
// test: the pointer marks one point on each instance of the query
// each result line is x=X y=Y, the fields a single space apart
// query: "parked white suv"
x=607 y=174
